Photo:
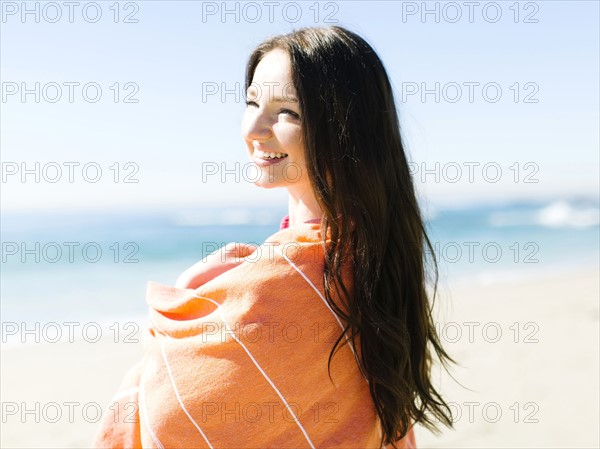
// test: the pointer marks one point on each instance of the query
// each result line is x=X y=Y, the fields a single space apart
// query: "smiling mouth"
x=269 y=156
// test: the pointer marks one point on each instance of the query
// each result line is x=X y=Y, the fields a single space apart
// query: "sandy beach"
x=529 y=372
x=529 y=355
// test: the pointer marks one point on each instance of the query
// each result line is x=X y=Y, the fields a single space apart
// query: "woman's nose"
x=256 y=126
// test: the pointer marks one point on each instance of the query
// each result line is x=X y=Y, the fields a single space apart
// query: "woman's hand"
x=216 y=263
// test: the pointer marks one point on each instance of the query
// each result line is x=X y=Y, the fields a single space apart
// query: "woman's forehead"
x=273 y=76
x=275 y=91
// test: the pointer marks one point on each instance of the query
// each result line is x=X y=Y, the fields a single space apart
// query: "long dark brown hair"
x=358 y=170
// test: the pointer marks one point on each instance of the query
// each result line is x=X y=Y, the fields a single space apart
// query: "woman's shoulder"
x=306 y=232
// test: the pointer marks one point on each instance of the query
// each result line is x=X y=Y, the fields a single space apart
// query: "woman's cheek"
x=292 y=142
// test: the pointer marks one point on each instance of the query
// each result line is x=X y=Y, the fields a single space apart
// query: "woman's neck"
x=303 y=208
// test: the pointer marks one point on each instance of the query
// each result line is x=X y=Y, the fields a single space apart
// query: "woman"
x=221 y=367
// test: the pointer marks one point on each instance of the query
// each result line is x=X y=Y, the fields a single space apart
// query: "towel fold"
x=241 y=362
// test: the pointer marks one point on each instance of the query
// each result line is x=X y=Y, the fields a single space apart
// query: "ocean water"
x=95 y=267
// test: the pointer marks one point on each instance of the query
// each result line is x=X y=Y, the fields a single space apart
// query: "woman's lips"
x=264 y=158
x=265 y=162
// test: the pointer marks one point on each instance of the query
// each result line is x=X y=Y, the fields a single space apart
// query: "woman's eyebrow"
x=285 y=99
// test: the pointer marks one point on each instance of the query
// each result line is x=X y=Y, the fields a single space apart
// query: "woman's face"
x=271 y=126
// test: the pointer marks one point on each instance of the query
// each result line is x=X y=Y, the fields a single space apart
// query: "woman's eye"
x=290 y=112
x=281 y=111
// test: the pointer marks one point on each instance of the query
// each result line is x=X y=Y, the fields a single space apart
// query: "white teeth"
x=264 y=155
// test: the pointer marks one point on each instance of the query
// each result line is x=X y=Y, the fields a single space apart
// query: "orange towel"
x=241 y=362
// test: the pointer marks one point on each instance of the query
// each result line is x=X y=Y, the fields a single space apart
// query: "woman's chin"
x=266 y=184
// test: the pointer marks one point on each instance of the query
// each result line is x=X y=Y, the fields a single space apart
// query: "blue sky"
x=172 y=53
